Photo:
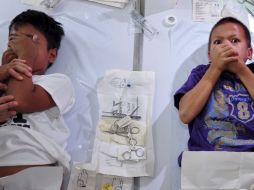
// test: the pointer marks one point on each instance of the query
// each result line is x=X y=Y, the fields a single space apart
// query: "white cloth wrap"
x=45 y=141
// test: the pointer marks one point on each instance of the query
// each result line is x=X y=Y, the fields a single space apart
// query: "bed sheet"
x=96 y=39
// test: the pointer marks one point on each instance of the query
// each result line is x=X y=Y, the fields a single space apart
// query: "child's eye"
x=216 y=42
x=235 y=40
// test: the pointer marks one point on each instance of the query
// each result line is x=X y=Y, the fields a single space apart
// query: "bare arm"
x=30 y=97
x=194 y=101
x=14 y=68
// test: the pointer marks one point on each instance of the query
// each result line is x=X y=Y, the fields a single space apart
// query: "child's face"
x=21 y=42
x=232 y=35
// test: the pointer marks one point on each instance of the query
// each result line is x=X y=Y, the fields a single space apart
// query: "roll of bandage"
x=169 y=21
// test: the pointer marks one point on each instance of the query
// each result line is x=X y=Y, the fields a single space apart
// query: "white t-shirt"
x=39 y=137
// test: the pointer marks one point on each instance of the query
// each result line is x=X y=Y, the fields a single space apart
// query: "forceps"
x=138 y=151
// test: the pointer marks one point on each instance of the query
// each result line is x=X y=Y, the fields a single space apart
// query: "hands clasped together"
x=225 y=57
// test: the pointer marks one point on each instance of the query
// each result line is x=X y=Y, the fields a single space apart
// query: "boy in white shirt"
x=37 y=136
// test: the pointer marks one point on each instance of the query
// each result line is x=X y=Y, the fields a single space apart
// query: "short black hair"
x=51 y=29
x=235 y=21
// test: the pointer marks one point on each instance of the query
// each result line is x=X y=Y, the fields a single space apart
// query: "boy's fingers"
x=10 y=105
x=230 y=52
x=15 y=74
x=4 y=107
x=231 y=59
x=25 y=66
x=6 y=103
x=7 y=99
x=20 y=69
x=21 y=61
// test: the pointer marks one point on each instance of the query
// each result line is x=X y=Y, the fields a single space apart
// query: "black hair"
x=235 y=21
x=51 y=29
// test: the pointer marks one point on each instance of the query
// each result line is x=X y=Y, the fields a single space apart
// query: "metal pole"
x=138 y=40
x=137 y=59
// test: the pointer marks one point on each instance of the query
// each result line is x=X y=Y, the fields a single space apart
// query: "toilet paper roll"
x=169 y=21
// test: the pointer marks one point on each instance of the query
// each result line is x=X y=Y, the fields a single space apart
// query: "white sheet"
x=90 y=48
x=217 y=170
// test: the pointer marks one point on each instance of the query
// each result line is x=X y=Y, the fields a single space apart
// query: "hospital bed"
x=178 y=49
x=100 y=38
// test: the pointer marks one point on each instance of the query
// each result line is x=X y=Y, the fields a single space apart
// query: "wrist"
x=218 y=66
x=215 y=69
x=212 y=74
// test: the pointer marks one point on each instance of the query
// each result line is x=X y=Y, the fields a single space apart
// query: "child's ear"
x=250 y=51
x=209 y=57
x=52 y=55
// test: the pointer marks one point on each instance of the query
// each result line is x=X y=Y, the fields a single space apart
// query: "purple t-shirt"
x=227 y=120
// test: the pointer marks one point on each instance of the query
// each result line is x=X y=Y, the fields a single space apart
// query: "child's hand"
x=15 y=69
x=18 y=67
x=235 y=67
x=221 y=55
x=24 y=46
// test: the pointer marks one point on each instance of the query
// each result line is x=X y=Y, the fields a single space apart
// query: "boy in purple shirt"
x=216 y=101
